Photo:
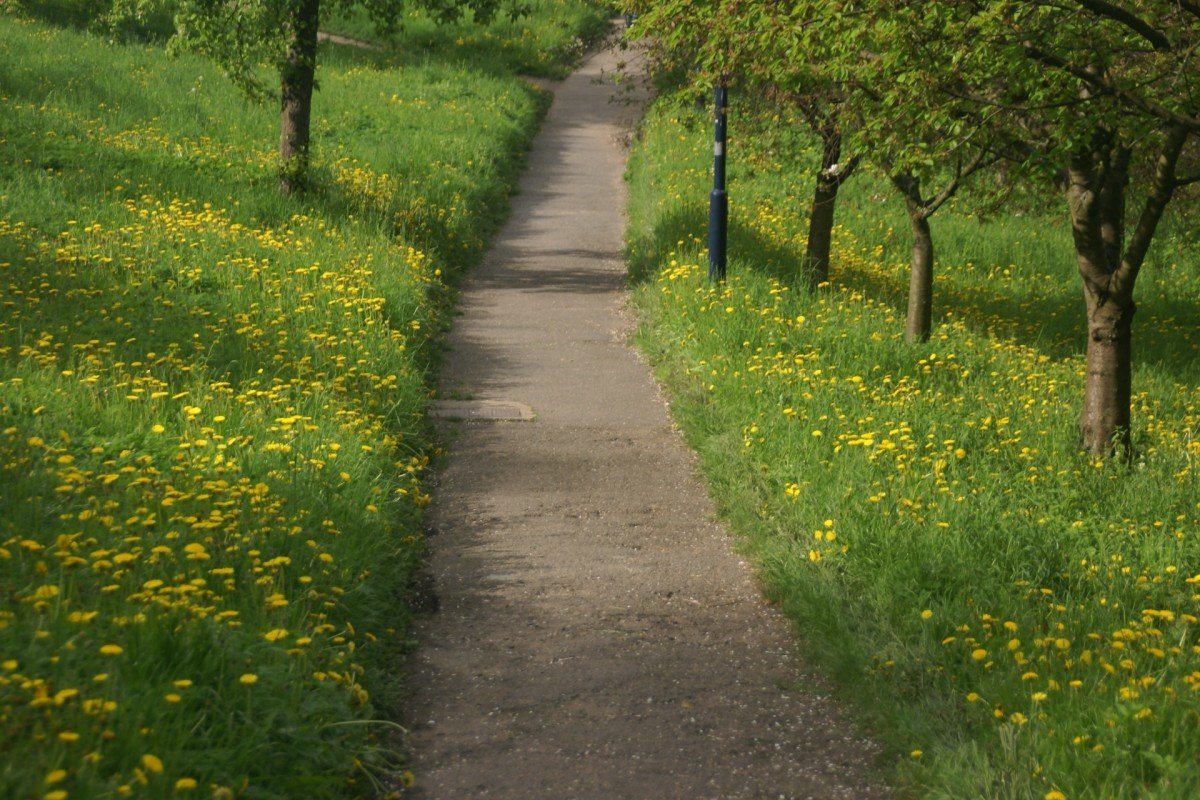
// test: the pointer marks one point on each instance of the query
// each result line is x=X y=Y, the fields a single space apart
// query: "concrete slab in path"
x=597 y=638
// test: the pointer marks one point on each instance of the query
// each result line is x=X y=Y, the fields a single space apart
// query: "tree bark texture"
x=821 y=216
x=1104 y=423
x=297 y=78
x=919 y=322
x=1097 y=179
x=820 y=233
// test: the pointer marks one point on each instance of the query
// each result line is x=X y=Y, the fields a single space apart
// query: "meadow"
x=1013 y=618
x=545 y=42
x=212 y=432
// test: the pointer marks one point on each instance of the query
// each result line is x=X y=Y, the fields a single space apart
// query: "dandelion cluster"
x=185 y=443
x=212 y=442
x=928 y=503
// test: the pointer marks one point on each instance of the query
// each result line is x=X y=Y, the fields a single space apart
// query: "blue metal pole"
x=718 y=204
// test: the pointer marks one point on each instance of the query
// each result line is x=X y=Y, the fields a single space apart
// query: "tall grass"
x=1016 y=619
x=211 y=409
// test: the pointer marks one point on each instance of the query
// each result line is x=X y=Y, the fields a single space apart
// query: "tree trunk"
x=820 y=232
x=1096 y=191
x=920 y=280
x=920 y=265
x=1096 y=198
x=820 y=219
x=1104 y=423
x=296 y=90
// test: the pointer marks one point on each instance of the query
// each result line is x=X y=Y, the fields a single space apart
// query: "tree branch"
x=1161 y=190
x=1104 y=84
x=978 y=162
x=1139 y=26
x=848 y=170
x=1082 y=191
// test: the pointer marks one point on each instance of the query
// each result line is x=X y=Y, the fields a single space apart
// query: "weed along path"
x=596 y=637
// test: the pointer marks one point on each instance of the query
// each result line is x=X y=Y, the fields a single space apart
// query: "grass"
x=544 y=42
x=1015 y=619
x=212 y=399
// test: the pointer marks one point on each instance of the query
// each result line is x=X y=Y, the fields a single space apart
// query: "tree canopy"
x=1098 y=98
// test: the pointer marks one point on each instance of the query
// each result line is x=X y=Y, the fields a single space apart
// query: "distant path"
x=337 y=38
x=597 y=638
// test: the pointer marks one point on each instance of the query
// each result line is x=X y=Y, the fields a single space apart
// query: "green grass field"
x=212 y=400
x=543 y=42
x=1015 y=619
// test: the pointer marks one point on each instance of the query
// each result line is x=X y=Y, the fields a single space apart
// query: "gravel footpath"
x=597 y=636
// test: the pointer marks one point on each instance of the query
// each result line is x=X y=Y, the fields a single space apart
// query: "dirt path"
x=337 y=38
x=597 y=638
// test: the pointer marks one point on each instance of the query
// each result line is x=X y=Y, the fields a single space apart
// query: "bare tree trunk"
x=1096 y=191
x=820 y=220
x=297 y=79
x=1108 y=385
x=820 y=233
x=919 y=323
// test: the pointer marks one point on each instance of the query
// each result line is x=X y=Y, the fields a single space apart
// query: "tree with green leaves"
x=1102 y=99
x=242 y=36
x=1099 y=96
x=772 y=53
x=927 y=145
x=846 y=73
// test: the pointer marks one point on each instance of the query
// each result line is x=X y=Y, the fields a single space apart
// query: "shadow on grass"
x=686 y=224
x=501 y=48
x=1041 y=322
x=87 y=15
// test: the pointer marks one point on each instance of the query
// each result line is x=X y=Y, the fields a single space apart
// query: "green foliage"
x=1038 y=79
x=873 y=481
x=921 y=84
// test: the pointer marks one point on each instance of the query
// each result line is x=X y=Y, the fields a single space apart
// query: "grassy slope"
x=1016 y=619
x=211 y=408
x=543 y=42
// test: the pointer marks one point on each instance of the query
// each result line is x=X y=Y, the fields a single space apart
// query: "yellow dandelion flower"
x=248 y=679
x=111 y=650
x=55 y=776
x=152 y=763
x=185 y=784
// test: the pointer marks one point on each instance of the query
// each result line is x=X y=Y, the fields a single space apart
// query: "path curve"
x=596 y=636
